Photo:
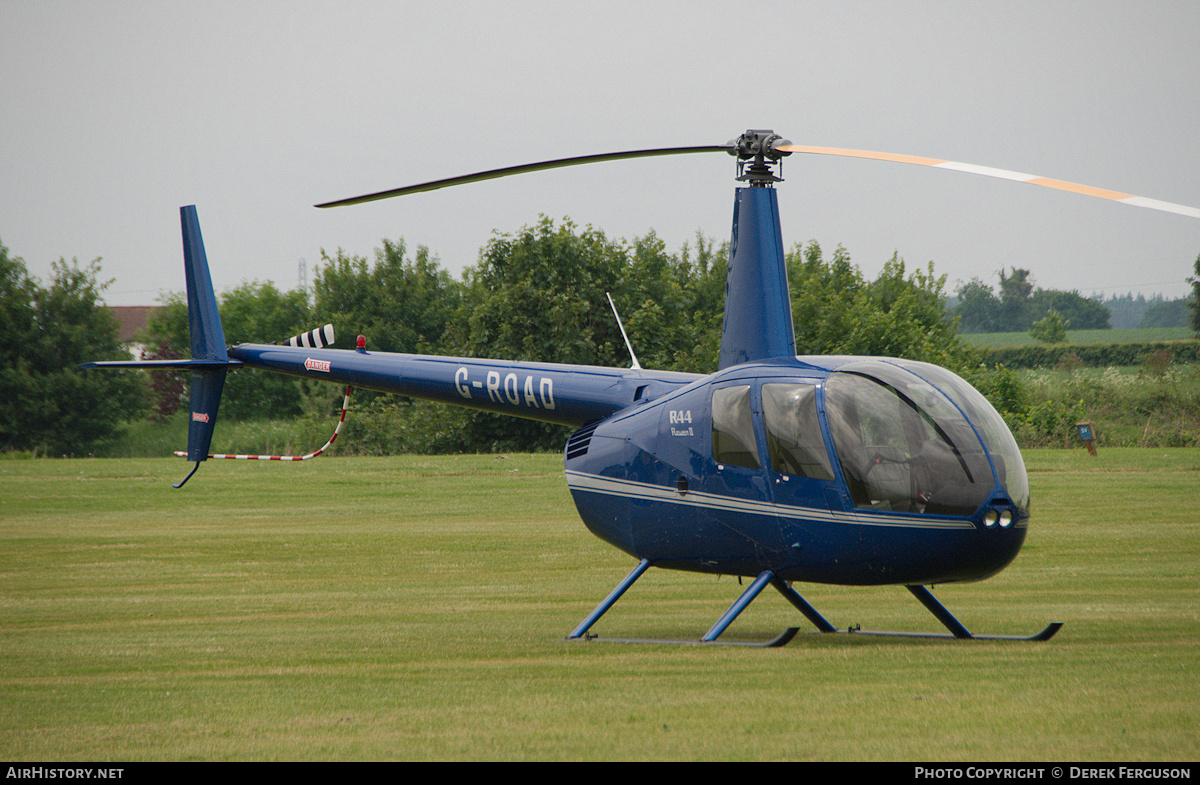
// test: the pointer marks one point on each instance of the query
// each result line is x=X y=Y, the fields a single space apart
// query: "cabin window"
x=733 y=428
x=794 y=442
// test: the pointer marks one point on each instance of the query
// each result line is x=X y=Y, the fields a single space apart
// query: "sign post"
x=1088 y=435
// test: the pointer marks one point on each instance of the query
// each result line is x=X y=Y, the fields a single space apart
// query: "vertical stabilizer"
x=210 y=360
x=204 y=323
x=208 y=340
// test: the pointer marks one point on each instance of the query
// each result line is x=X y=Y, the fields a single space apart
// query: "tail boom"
x=549 y=392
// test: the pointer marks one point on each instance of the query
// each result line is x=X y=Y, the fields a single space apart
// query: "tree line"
x=1016 y=305
x=537 y=294
x=49 y=406
x=1129 y=312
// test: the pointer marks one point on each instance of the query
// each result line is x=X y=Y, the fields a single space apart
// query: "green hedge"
x=1092 y=355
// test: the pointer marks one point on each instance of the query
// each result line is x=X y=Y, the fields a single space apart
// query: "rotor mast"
x=758 y=308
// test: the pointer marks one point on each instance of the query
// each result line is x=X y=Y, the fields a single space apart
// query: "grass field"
x=998 y=340
x=414 y=608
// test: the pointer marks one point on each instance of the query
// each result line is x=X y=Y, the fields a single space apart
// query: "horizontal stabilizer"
x=160 y=365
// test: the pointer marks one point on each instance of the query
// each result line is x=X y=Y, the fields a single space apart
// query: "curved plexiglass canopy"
x=913 y=437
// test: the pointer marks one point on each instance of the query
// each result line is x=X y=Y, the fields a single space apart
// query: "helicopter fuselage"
x=822 y=470
x=846 y=470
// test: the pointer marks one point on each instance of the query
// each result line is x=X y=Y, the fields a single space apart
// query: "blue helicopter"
x=779 y=468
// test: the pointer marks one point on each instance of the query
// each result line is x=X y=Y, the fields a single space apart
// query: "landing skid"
x=782 y=639
x=785 y=637
x=956 y=630
x=1044 y=635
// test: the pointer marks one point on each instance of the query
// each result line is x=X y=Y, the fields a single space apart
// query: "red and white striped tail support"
x=336 y=431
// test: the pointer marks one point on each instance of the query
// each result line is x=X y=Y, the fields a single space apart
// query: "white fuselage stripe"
x=608 y=486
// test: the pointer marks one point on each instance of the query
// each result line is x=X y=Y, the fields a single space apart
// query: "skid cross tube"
x=810 y=613
x=957 y=630
x=615 y=595
x=738 y=606
x=937 y=609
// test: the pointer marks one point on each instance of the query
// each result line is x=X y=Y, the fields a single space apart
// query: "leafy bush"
x=1128 y=407
x=1050 y=329
x=1051 y=423
x=1092 y=355
x=50 y=406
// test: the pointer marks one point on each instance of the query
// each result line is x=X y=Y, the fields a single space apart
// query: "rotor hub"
x=757 y=152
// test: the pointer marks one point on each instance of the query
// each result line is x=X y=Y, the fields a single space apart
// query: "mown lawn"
x=413 y=608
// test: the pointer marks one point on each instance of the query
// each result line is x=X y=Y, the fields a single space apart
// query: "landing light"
x=1002 y=518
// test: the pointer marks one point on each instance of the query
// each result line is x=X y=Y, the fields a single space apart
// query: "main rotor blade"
x=492 y=174
x=1004 y=174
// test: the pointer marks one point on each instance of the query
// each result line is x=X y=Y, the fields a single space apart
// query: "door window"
x=733 y=428
x=794 y=442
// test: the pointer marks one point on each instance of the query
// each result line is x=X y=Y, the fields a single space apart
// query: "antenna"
x=636 y=365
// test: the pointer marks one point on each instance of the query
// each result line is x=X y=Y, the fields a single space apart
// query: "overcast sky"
x=117 y=113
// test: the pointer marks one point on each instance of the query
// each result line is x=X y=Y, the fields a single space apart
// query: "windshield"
x=1010 y=466
x=902 y=445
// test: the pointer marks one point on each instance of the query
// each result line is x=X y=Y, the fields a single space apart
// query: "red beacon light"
x=361 y=344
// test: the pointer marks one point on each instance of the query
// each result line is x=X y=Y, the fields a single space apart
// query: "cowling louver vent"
x=577 y=445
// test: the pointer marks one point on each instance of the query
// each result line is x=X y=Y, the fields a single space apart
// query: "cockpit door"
x=735 y=486
x=799 y=469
